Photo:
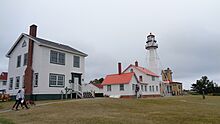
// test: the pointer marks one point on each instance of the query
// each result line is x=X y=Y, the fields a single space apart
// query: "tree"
x=204 y=84
x=97 y=81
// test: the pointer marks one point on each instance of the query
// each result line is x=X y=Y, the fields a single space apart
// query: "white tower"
x=152 y=57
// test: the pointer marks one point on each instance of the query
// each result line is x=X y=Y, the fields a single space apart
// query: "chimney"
x=33 y=30
x=28 y=77
x=119 y=68
x=136 y=63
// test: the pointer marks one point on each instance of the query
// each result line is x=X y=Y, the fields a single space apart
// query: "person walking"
x=23 y=101
x=17 y=99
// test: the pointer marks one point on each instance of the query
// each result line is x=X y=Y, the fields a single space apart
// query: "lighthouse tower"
x=152 y=57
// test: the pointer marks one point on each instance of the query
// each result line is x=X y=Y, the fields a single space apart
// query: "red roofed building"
x=149 y=81
x=120 y=85
x=3 y=80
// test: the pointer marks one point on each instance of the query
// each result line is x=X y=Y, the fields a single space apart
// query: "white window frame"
x=19 y=61
x=57 y=80
x=25 y=59
x=76 y=61
x=133 y=86
x=56 y=59
x=35 y=80
x=121 y=87
x=109 y=88
x=4 y=83
x=145 y=88
x=141 y=78
x=24 y=44
x=153 y=78
x=17 y=82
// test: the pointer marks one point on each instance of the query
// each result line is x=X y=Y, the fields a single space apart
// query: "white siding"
x=115 y=89
x=91 y=87
x=13 y=71
x=42 y=66
x=147 y=80
x=2 y=87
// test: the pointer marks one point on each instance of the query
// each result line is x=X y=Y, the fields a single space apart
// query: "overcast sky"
x=109 y=31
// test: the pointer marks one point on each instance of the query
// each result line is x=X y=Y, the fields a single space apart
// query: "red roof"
x=100 y=86
x=123 y=78
x=142 y=69
x=3 y=76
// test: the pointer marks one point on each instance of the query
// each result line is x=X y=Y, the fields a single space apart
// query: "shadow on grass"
x=6 y=121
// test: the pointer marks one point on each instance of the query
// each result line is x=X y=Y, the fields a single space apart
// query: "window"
x=25 y=59
x=122 y=87
x=19 y=61
x=150 y=88
x=10 y=84
x=76 y=61
x=4 y=83
x=17 y=82
x=56 y=80
x=133 y=86
x=131 y=70
x=153 y=78
x=24 y=44
x=140 y=78
x=35 y=80
x=145 y=87
x=57 y=57
x=156 y=88
x=109 y=88
x=179 y=86
x=153 y=88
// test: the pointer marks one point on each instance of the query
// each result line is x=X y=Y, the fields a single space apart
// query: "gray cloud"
x=110 y=31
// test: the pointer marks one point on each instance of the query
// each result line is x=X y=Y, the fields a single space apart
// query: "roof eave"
x=14 y=45
x=84 y=55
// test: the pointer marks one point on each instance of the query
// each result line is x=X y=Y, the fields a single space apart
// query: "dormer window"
x=24 y=44
x=153 y=78
x=140 y=78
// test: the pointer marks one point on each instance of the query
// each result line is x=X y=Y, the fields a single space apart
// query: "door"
x=76 y=79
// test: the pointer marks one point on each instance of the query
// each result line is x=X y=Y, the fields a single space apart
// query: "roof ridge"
x=122 y=73
x=55 y=44
x=143 y=68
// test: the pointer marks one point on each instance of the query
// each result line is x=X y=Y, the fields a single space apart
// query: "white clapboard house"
x=124 y=85
x=120 y=85
x=148 y=80
x=45 y=69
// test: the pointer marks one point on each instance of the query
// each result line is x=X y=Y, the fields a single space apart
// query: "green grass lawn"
x=166 y=110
